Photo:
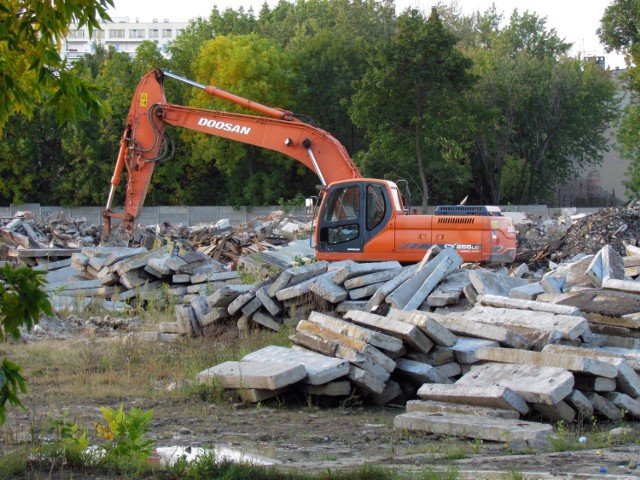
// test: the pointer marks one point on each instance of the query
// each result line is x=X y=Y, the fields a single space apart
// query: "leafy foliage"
x=21 y=303
x=68 y=442
x=32 y=67
x=409 y=103
x=125 y=434
x=538 y=114
x=619 y=31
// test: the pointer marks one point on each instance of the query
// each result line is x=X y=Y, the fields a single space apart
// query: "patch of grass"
x=431 y=474
x=113 y=368
x=14 y=463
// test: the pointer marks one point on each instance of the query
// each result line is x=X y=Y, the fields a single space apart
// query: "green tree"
x=409 y=103
x=90 y=147
x=30 y=158
x=21 y=304
x=619 y=32
x=33 y=70
x=254 y=68
x=538 y=114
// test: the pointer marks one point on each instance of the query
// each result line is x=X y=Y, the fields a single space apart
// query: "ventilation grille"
x=450 y=220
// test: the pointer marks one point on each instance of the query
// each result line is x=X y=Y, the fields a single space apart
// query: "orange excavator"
x=361 y=219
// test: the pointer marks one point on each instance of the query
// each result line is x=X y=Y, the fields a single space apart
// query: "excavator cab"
x=351 y=214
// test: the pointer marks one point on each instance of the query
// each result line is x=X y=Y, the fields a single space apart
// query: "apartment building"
x=122 y=34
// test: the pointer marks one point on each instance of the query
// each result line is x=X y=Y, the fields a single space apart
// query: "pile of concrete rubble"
x=564 y=236
x=220 y=241
x=481 y=350
x=474 y=352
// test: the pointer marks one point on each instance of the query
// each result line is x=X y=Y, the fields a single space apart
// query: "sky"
x=574 y=20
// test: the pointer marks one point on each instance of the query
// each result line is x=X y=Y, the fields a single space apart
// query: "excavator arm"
x=144 y=142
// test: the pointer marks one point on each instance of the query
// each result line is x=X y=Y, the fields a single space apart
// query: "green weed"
x=125 y=435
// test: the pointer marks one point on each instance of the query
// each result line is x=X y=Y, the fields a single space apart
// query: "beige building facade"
x=122 y=34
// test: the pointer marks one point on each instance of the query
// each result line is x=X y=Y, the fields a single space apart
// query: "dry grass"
x=125 y=366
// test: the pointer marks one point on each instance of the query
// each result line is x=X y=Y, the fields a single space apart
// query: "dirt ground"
x=291 y=434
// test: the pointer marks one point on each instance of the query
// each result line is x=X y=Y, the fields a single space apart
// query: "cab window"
x=375 y=206
x=343 y=204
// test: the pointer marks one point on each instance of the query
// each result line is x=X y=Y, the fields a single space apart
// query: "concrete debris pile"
x=585 y=234
x=473 y=353
x=57 y=231
x=226 y=243
x=120 y=276
x=220 y=241
x=537 y=231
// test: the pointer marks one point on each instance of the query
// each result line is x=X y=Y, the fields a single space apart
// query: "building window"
x=98 y=34
x=178 y=31
x=136 y=33
x=116 y=33
x=166 y=33
x=76 y=34
x=153 y=33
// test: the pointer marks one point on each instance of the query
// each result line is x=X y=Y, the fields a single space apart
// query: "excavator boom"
x=143 y=142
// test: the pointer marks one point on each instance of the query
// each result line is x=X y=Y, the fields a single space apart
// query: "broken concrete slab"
x=438 y=333
x=348 y=346
x=315 y=343
x=627 y=380
x=464 y=351
x=603 y=406
x=464 y=326
x=320 y=368
x=609 y=303
x=607 y=264
x=299 y=289
x=567 y=362
x=377 y=339
x=272 y=306
x=570 y=327
x=419 y=373
x=444 y=408
x=516 y=433
x=388 y=287
x=586 y=383
x=138 y=261
x=487 y=282
x=448 y=264
x=410 y=290
x=571 y=274
x=372 y=279
x=624 y=403
x=260 y=375
x=534 y=306
x=266 y=320
x=359 y=269
x=580 y=403
x=295 y=275
x=561 y=411
x=365 y=380
x=328 y=290
x=449 y=291
x=391 y=391
x=493 y=396
x=530 y=291
x=545 y=385
x=410 y=334
x=222 y=297
x=364 y=292
x=331 y=389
